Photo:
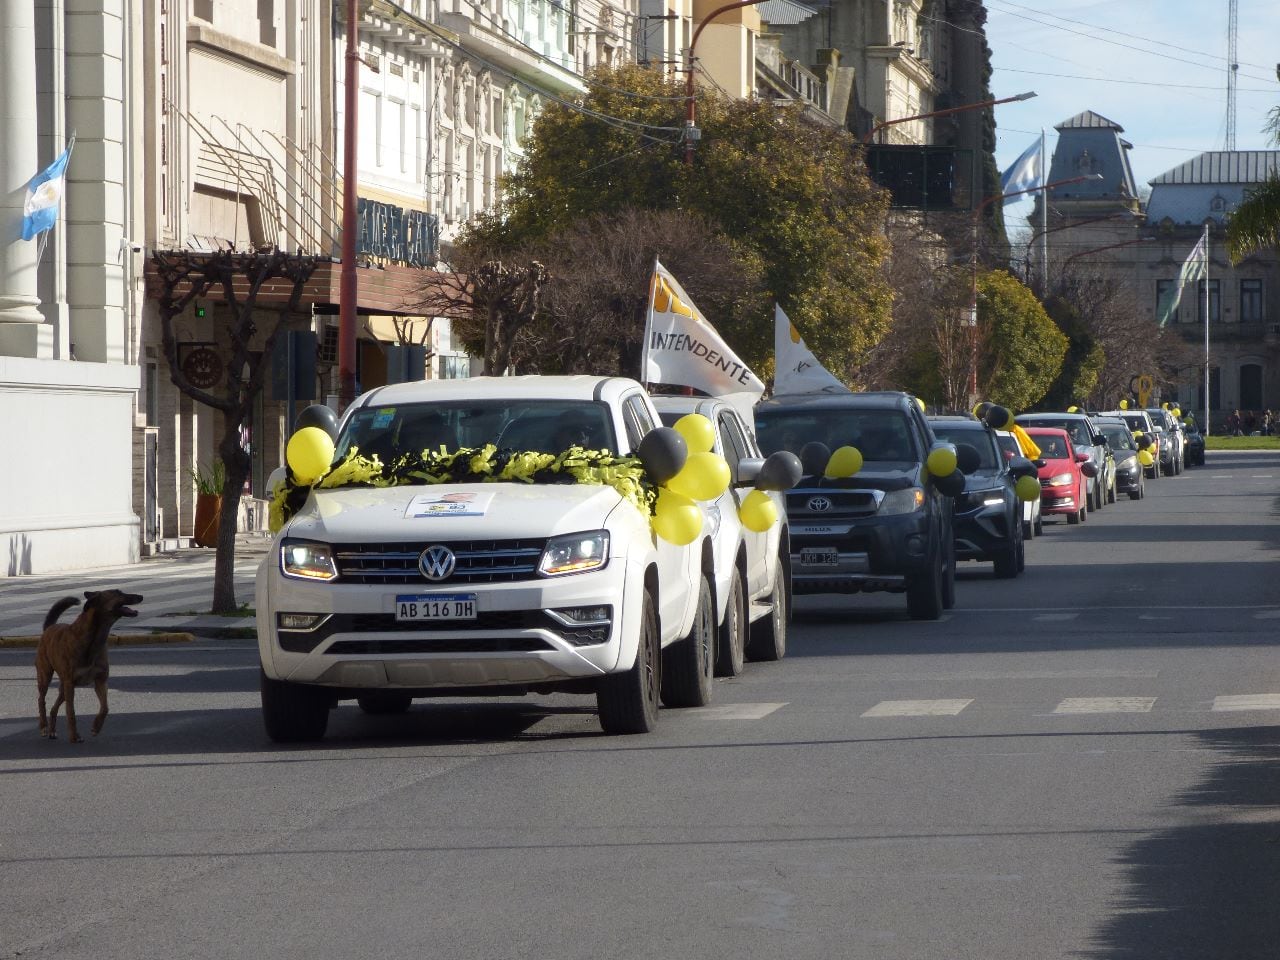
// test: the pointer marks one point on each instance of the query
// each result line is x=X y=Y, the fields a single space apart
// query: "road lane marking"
x=917 y=708
x=1263 y=476
x=738 y=711
x=1267 y=615
x=1105 y=705
x=1248 y=701
x=1152 y=616
x=1221 y=476
x=1054 y=617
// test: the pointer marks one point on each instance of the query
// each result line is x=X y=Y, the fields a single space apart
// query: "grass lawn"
x=1241 y=443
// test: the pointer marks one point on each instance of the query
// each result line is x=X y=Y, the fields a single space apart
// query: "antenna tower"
x=1232 y=69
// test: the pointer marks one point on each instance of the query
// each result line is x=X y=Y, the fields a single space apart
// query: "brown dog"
x=77 y=653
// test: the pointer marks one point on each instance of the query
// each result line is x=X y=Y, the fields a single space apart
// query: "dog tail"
x=56 y=610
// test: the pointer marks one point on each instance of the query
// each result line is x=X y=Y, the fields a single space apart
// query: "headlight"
x=1129 y=466
x=1059 y=479
x=987 y=498
x=575 y=553
x=307 y=561
x=903 y=501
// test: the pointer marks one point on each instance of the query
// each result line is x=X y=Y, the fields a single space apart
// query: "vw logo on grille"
x=437 y=562
x=819 y=504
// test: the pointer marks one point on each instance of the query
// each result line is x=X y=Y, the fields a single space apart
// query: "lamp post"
x=949 y=110
x=1044 y=275
x=347 y=286
x=1109 y=246
x=691 y=133
x=973 y=269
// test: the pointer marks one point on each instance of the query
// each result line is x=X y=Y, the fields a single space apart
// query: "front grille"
x=839 y=503
x=426 y=633
x=478 y=561
x=435 y=645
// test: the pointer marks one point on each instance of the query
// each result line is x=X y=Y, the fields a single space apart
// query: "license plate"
x=819 y=556
x=436 y=606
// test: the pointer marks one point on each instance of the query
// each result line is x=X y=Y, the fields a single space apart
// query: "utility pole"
x=348 y=287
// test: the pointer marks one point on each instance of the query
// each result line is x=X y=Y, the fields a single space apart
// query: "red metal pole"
x=348 y=288
x=690 y=113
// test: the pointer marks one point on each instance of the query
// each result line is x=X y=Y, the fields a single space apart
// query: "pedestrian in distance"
x=1250 y=423
x=1233 y=423
x=1267 y=423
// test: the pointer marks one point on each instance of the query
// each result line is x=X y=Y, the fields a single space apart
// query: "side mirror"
x=1089 y=469
x=1022 y=467
x=748 y=471
x=1082 y=457
x=1040 y=462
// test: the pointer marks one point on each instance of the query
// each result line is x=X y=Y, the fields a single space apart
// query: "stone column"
x=18 y=158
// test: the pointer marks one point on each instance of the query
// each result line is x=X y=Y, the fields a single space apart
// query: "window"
x=1215 y=301
x=1250 y=301
x=1166 y=312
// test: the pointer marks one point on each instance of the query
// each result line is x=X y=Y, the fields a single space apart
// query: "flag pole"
x=1205 y=240
x=1044 y=221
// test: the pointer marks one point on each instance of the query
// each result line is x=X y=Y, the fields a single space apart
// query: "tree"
x=1024 y=348
x=1255 y=224
x=241 y=278
x=791 y=192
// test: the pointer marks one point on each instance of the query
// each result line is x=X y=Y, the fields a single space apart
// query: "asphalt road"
x=1081 y=763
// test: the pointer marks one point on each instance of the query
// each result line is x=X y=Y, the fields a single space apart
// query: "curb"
x=115 y=640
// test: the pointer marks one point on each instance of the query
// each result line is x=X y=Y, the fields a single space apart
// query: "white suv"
x=753 y=570
x=384 y=594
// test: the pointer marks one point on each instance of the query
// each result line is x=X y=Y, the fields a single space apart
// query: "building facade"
x=69 y=328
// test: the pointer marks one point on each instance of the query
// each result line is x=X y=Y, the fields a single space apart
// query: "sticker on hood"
x=458 y=504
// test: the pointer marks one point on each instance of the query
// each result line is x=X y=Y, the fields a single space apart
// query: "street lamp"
x=973 y=268
x=1043 y=233
x=949 y=110
x=347 y=285
x=691 y=133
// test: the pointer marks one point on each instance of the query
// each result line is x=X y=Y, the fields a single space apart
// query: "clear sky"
x=1155 y=67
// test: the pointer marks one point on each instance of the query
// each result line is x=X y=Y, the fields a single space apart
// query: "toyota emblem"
x=819 y=504
x=437 y=562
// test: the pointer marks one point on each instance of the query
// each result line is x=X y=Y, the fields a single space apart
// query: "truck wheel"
x=768 y=640
x=688 y=665
x=293 y=713
x=381 y=703
x=1040 y=523
x=628 y=702
x=732 y=641
x=924 y=593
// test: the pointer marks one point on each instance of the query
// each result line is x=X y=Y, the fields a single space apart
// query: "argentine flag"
x=44 y=196
x=1026 y=173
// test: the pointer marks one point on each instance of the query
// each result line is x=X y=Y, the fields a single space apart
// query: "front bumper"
x=872 y=553
x=981 y=534
x=513 y=641
x=1059 y=500
x=1128 y=482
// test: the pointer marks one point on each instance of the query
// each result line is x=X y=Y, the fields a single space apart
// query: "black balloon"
x=780 y=471
x=318 y=415
x=663 y=453
x=980 y=411
x=953 y=483
x=998 y=418
x=814 y=457
x=1143 y=442
x=967 y=458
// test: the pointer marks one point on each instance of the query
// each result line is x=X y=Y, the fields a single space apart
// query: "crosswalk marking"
x=1248 y=701
x=917 y=708
x=1055 y=617
x=738 y=711
x=1105 y=705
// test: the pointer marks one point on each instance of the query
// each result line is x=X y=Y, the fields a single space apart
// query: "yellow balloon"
x=758 y=512
x=1073 y=409
x=676 y=518
x=698 y=433
x=1124 y=404
x=1137 y=433
x=704 y=476
x=309 y=454
x=1145 y=458
x=941 y=461
x=1027 y=489
x=844 y=462
x=1177 y=411
x=920 y=404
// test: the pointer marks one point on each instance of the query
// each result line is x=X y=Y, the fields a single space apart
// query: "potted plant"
x=208 y=482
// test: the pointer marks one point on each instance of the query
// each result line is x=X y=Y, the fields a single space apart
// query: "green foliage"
x=787 y=191
x=1255 y=224
x=209 y=478
x=1084 y=362
x=1025 y=348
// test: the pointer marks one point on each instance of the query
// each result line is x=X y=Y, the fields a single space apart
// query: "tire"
x=924 y=593
x=688 y=665
x=1022 y=554
x=1079 y=514
x=385 y=703
x=1112 y=492
x=1006 y=562
x=292 y=712
x=731 y=640
x=768 y=635
x=628 y=702
x=949 y=581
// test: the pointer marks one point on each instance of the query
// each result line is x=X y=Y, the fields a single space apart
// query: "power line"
x=1141 y=83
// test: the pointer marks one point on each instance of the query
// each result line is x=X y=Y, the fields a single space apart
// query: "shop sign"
x=388 y=232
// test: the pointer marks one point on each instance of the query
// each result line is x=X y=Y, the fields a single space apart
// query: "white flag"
x=681 y=348
x=1195 y=267
x=796 y=369
x=1025 y=173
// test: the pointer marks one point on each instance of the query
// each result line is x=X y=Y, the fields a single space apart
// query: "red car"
x=1064 y=477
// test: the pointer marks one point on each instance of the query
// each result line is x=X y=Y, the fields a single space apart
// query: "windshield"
x=1076 y=429
x=1009 y=446
x=878 y=434
x=1053 y=446
x=1118 y=437
x=547 y=426
x=1136 y=421
x=980 y=440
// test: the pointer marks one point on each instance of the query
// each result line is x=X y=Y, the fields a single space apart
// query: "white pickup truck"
x=384 y=594
x=753 y=570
